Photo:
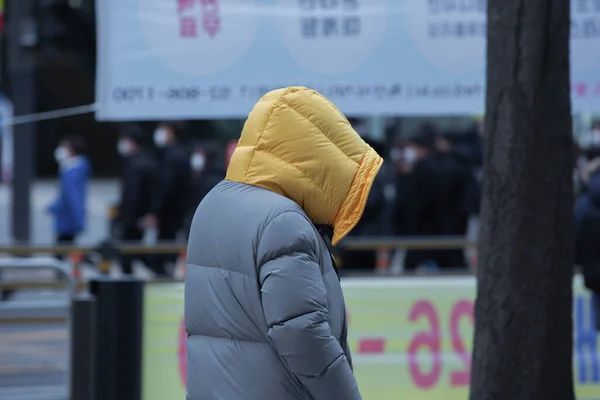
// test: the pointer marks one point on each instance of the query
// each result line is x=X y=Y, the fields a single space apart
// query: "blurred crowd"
x=161 y=185
x=430 y=186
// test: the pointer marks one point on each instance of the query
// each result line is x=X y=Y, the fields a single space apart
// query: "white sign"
x=194 y=59
x=332 y=37
x=449 y=34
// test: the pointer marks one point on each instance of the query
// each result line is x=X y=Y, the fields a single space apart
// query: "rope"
x=36 y=117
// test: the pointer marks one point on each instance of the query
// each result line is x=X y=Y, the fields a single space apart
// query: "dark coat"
x=137 y=186
x=170 y=202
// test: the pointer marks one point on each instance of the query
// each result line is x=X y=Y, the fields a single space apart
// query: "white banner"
x=192 y=59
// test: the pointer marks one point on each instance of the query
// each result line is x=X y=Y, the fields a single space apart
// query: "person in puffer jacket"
x=264 y=309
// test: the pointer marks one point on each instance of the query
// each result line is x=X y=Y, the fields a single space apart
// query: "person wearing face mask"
x=418 y=188
x=207 y=172
x=68 y=210
x=170 y=199
x=137 y=187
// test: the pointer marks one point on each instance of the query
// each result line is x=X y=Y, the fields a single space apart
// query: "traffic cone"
x=76 y=258
x=382 y=261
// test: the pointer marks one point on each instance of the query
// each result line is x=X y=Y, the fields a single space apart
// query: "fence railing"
x=20 y=312
x=400 y=243
x=110 y=251
x=353 y=243
x=29 y=265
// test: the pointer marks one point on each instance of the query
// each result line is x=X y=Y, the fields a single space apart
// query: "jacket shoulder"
x=252 y=203
x=288 y=232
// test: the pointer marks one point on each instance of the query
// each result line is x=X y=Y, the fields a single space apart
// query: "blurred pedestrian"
x=469 y=145
x=590 y=142
x=417 y=210
x=207 y=171
x=454 y=203
x=137 y=186
x=587 y=232
x=69 y=208
x=170 y=198
x=264 y=309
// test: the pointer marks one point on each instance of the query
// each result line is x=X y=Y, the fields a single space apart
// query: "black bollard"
x=118 y=366
x=83 y=347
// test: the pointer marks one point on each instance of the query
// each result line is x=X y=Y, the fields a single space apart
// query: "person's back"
x=207 y=172
x=264 y=308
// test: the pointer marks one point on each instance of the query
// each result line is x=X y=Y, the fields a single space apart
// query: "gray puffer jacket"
x=264 y=308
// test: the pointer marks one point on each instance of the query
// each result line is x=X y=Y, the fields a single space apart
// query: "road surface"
x=33 y=357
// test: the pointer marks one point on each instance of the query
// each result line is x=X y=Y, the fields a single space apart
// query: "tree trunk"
x=523 y=332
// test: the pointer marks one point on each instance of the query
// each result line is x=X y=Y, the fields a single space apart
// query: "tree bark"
x=523 y=332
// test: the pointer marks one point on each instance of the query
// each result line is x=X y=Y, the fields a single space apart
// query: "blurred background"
x=98 y=180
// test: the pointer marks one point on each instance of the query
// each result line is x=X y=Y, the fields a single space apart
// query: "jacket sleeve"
x=295 y=307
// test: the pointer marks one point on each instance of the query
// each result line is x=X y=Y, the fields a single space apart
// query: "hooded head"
x=298 y=144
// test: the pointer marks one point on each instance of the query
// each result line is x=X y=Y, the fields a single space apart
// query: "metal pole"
x=83 y=347
x=22 y=38
x=118 y=366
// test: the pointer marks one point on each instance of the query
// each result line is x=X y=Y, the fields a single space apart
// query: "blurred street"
x=190 y=168
x=33 y=357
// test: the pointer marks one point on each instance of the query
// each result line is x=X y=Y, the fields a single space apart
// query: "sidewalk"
x=33 y=356
x=33 y=362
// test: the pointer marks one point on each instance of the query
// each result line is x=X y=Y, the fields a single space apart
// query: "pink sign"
x=182 y=352
x=189 y=10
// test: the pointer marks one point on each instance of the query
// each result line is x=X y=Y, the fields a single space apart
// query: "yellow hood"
x=298 y=144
